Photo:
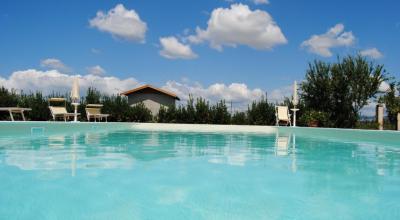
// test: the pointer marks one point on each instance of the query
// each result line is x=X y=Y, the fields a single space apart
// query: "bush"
x=202 y=113
x=261 y=113
x=371 y=125
x=392 y=102
x=199 y=112
x=219 y=113
x=342 y=88
x=139 y=113
x=239 y=118
x=39 y=105
x=309 y=117
x=7 y=99
x=117 y=107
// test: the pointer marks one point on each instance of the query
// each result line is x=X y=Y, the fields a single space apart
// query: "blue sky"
x=33 y=31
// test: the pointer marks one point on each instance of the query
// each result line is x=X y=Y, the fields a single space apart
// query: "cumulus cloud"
x=120 y=22
x=52 y=80
x=384 y=87
x=96 y=70
x=334 y=37
x=173 y=49
x=53 y=63
x=369 y=109
x=372 y=52
x=279 y=94
x=238 y=25
x=237 y=93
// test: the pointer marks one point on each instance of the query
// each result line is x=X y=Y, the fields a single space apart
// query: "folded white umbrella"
x=295 y=100
x=75 y=97
x=75 y=90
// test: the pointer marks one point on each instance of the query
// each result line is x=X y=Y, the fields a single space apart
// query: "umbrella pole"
x=75 y=111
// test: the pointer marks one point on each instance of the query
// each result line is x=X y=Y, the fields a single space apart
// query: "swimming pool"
x=153 y=171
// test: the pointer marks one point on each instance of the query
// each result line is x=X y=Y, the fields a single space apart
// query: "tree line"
x=196 y=111
x=332 y=95
x=116 y=106
x=200 y=111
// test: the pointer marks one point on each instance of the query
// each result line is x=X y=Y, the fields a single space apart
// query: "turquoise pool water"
x=123 y=173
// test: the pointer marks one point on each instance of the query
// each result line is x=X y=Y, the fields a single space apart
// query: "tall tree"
x=392 y=102
x=317 y=88
x=342 y=89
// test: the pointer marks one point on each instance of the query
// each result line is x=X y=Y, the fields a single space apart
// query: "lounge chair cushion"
x=57 y=110
x=283 y=113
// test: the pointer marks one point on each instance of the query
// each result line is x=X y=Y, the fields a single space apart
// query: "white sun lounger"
x=60 y=111
x=12 y=110
x=282 y=115
x=93 y=111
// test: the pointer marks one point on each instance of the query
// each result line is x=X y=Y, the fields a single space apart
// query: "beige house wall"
x=152 y=101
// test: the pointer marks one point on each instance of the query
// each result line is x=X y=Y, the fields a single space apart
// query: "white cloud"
x=237 y=93
x=96 y=70
x=121 y=22
x=384 y=87
x=53 y=63
x=369 y=109
x=173 y=49
x=238 y=25
x=334 y=37
x=50 y=81
x=372 y=52
x=279 y=94
x=53 y=80
x=260 y=2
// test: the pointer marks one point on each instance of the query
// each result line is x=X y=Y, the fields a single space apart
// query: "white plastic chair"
x=282 y=115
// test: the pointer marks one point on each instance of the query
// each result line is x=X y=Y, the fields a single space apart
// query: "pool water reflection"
x=165 y=175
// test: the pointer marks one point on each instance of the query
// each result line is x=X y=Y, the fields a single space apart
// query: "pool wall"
x=47 y=128
x=204 y=128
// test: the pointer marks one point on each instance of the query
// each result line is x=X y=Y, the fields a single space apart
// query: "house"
x=153 y=98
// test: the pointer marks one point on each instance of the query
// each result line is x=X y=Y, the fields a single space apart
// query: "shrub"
x=261 y=113
x=219 y=113
x=202 y=113
x=342 y=88
x=309 y=117
x=39 y=105
x=139 y=113
x=7 y=99
x=239 y=118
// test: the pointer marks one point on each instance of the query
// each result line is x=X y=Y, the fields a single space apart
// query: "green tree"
x=202 y=114
x=392 y=102
x=7 y=99
x=239 y=118
x=93 y=96
x=261 y=113
x=39 y=105
x=219 y=113
x=342 y=89
x=139 y=113
x=162 y=115
x=167 y=114
x=317 y=88
x=117 y=106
